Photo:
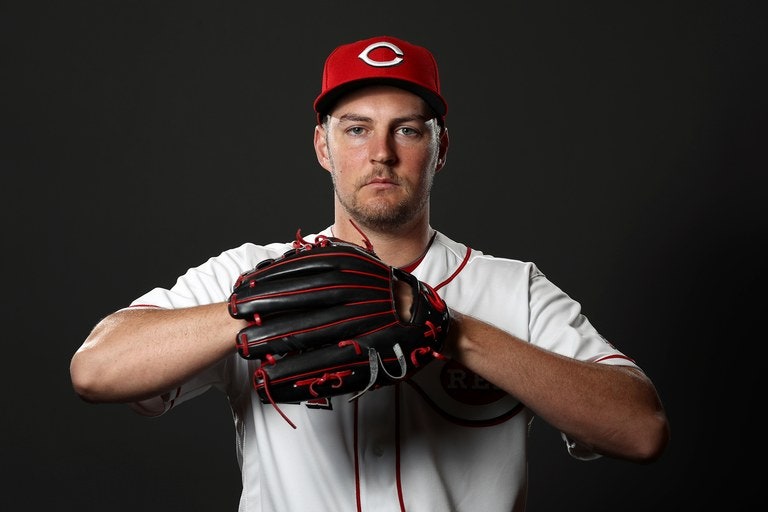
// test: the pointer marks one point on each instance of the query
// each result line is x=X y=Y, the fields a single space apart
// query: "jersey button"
x=378 y=450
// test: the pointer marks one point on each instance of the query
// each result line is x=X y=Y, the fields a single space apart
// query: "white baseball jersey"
x=446 y=440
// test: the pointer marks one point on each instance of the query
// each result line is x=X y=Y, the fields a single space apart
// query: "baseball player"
x=377 y=365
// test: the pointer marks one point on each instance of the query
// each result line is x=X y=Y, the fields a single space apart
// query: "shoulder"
x=212 y=280
x=471 y=261
x=247 y=255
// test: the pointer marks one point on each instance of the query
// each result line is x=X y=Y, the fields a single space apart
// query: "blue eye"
x=408 y=131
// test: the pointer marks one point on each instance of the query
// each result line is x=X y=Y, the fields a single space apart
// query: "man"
x=454 y=435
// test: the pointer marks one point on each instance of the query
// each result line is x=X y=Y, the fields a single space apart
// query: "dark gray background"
x=619 y=145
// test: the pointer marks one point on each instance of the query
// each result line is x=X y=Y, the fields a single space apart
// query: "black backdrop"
x=619 y=145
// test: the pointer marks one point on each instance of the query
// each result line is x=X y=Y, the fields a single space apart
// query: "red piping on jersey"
x=397 y=408
x=415 y=263
x=397 y=448
x=456 y=272
x=357 y=461
x=355 y=438
x=616 y=356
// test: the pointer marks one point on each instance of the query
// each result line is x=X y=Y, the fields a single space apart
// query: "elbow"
x=82 y=382
x=85 y=379
x=653 y=441
x=649 y=427
x=642 y=439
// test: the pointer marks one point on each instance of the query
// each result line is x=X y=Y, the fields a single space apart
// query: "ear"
x=442 y=152
x=321 y=148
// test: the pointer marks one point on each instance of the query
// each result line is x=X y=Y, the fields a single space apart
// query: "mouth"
x=380 y=185
x=381 y=181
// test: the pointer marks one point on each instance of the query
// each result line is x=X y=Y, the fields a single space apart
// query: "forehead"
x=377 y=100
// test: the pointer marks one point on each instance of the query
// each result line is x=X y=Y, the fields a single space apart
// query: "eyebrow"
x=362 y=119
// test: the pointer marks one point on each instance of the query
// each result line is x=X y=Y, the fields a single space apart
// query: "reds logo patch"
x=468 y=387
x=396 y=58
x=462 y=396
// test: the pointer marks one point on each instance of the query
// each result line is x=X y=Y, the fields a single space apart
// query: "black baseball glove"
x=323 y=320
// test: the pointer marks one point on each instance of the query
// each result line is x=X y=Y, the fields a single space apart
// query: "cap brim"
x=325 y=102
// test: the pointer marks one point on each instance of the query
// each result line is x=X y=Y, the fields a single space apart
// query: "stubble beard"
x=381 y=214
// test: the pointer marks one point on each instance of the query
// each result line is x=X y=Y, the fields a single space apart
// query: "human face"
x=382 y=147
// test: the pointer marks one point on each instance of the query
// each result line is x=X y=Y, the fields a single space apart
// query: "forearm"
x=139 y=353
x=612 y=410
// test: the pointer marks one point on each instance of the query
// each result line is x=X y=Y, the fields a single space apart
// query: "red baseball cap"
x=380 y=60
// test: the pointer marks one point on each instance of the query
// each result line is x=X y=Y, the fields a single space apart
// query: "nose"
x=382 y=148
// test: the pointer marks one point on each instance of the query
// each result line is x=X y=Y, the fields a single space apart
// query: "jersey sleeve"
x=208 y=283
x=558 y=324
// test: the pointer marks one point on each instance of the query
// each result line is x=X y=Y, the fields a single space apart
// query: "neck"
x=395 y=248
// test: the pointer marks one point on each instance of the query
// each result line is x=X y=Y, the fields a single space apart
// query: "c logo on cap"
x=378 y=63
